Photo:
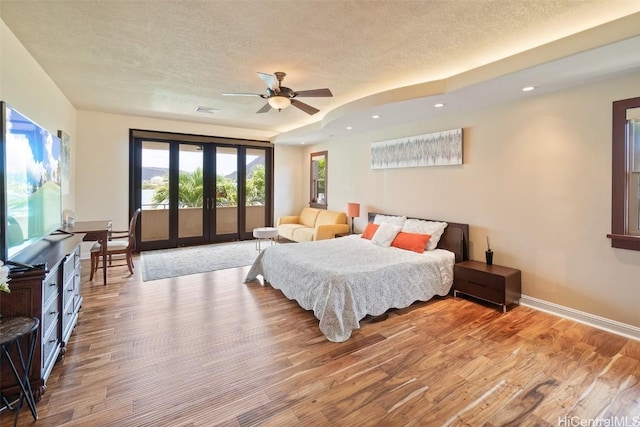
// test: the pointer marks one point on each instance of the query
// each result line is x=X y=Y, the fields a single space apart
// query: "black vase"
x=489 y=255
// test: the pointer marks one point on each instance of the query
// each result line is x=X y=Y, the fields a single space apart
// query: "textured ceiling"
x=162 y=59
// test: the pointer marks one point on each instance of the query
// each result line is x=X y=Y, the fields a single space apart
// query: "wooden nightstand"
x=493 y=283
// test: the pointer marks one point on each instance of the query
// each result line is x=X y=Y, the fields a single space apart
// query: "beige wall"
x=289 y=168
x=536 y=178
x=103 y=159
x=27 y=88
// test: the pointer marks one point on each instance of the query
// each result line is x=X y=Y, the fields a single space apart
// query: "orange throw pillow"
x=411 y=241
x=369 y=231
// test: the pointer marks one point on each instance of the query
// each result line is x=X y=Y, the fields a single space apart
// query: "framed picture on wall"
x=65 y=161
x=431 y=149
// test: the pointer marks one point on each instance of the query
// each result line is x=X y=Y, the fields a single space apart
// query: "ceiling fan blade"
x=304 y=107
x=270 y=80
x=315 y=93
x=265 y=108
x=243 y=94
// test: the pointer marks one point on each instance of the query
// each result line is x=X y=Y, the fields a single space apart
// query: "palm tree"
x=226 y=192
x=190 y=189
x=161 y=193
x=256 y=186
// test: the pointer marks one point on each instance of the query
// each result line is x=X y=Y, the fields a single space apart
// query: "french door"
x=194 y=191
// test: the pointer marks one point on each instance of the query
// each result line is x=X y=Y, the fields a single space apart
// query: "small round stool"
x=264 y=233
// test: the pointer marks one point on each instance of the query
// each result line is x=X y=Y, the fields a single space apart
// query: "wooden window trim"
x=620 y=155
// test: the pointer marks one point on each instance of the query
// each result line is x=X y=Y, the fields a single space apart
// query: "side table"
x=264 y=233
x=494 y=283
x=11 y=330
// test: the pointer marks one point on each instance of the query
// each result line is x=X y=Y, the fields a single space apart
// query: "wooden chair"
x=119 y=243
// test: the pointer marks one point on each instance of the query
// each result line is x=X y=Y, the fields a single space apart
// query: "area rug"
x=165 y=263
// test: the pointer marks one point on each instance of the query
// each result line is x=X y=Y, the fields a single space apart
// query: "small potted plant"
x=489 y=253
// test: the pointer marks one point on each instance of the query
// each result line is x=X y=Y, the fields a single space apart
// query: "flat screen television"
x=31 y=200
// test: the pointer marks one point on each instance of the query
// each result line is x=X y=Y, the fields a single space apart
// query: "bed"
x=345 y=279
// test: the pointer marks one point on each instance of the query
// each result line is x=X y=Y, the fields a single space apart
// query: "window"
x=625 y=202
x=633 y=118
x=319 y=175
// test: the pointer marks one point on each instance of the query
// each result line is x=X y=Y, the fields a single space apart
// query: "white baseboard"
x=603 y=323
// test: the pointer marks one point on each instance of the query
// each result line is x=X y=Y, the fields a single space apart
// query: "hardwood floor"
x=208 y=350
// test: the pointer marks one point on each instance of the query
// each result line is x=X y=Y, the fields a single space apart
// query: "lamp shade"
x=353 y=209
x=279 y=102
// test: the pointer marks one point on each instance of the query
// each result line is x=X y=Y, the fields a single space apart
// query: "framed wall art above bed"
x=431 y=149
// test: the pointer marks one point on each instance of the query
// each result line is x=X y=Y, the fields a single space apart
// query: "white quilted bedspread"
x=342 y=280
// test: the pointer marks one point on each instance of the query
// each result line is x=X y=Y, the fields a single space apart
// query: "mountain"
x=151 y=172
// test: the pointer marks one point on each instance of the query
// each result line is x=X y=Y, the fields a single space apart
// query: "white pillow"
x=434 y=228
x=395 y=220
x=385 y=234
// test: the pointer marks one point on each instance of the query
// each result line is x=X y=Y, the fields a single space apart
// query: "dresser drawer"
x=50 y=286
x=68 y=316
x=69 y=267
x=68 y=311
x=480 y=291
x=50 y=314
x=481 y=277
x=68 y=291
x=50 y=347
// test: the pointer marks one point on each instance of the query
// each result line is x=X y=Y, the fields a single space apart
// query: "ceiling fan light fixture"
x=279 y=97
x=279 y=102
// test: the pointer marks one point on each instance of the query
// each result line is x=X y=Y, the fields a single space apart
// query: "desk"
x=11 y=330
x=94 y=230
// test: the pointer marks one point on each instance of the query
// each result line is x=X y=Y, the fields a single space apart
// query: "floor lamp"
x=353 y=210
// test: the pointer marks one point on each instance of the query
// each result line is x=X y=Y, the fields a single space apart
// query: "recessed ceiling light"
x=375 y=116
x=349 y=128
x=302 y=142
x=439 y=105
x=208 y=110
x=528 y=88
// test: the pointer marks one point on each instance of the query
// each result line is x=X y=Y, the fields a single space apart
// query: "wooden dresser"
x=493 y=283
x=51 y=294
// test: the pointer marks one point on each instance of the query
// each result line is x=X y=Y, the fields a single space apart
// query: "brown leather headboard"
x=455 y=237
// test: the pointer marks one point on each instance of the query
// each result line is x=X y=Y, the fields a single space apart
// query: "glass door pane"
x=226 y=167
x=154 y=220
x=255 y=188
x=190 y=191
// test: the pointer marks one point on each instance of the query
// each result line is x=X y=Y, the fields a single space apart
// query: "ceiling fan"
x=279 y=97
